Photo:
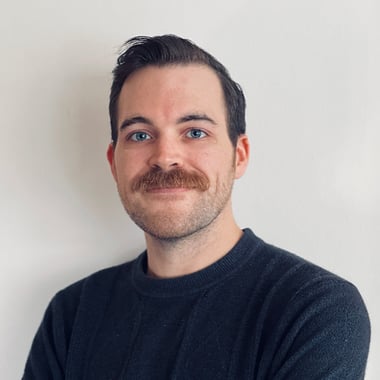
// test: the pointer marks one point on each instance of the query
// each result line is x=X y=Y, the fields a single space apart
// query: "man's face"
x=174 y=163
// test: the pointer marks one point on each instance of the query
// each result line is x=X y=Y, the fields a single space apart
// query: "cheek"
x=122 y=169
x=129 y=167
x=127 y=160
x=214 y=163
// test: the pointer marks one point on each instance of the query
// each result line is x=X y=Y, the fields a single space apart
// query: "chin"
x=168 y=233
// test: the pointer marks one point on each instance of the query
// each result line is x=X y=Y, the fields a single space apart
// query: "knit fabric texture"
x=258 y=313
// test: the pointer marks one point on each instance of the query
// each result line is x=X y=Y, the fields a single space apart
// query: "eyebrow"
x=195 y=117
x=183 y=119
x=134 y=120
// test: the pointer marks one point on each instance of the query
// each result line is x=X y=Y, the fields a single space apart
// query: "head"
x=140 y=52
x=178 y=137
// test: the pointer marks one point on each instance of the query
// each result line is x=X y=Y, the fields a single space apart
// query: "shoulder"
x=85 y=297
x=298 y=280
x=96 y=284
x=309 y=311
x=75 y=308
x=91 y=291
x=291 y=274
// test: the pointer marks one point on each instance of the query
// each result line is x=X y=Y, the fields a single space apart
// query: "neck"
x=174 y=258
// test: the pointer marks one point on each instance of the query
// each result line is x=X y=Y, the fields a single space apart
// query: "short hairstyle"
x=142 y=51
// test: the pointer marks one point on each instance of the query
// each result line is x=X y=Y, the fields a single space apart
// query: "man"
x=206 y=300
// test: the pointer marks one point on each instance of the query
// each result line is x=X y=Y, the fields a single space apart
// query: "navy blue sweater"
x=257 y=313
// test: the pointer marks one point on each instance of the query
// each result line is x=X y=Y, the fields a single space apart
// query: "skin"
x=175 y=117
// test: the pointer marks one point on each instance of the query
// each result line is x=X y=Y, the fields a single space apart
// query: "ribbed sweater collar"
x=194 y=282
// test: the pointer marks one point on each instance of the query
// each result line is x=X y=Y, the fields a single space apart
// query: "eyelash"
x=203 y=133
x=133 y=135
x=146 y=136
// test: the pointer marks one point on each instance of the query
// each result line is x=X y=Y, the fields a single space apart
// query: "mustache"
x=175 y=178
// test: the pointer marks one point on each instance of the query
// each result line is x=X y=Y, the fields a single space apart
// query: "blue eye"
x=196 y=134
x=139 y=136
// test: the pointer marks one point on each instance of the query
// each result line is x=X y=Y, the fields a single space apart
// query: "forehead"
x=171 y=90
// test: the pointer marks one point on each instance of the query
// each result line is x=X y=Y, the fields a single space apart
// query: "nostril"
x=165 y=155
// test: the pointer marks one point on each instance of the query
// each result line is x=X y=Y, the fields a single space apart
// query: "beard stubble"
x=172 y=222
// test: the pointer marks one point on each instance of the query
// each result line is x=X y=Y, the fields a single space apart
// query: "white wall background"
x=310 y=70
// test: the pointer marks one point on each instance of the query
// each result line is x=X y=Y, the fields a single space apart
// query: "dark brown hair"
x=141 y=51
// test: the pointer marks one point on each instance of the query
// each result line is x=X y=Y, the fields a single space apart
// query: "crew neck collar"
x=197 y=281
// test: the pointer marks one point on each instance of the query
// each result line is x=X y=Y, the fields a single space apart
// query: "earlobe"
x=111 y=159
x=241 y=155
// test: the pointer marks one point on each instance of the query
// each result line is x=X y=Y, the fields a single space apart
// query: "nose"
x=166 y=154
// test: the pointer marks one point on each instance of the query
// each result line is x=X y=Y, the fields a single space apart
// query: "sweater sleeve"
x=47 y=356
x=326 y=334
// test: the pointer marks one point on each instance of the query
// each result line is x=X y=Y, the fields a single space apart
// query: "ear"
x=241 y=155
x=111 y=159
